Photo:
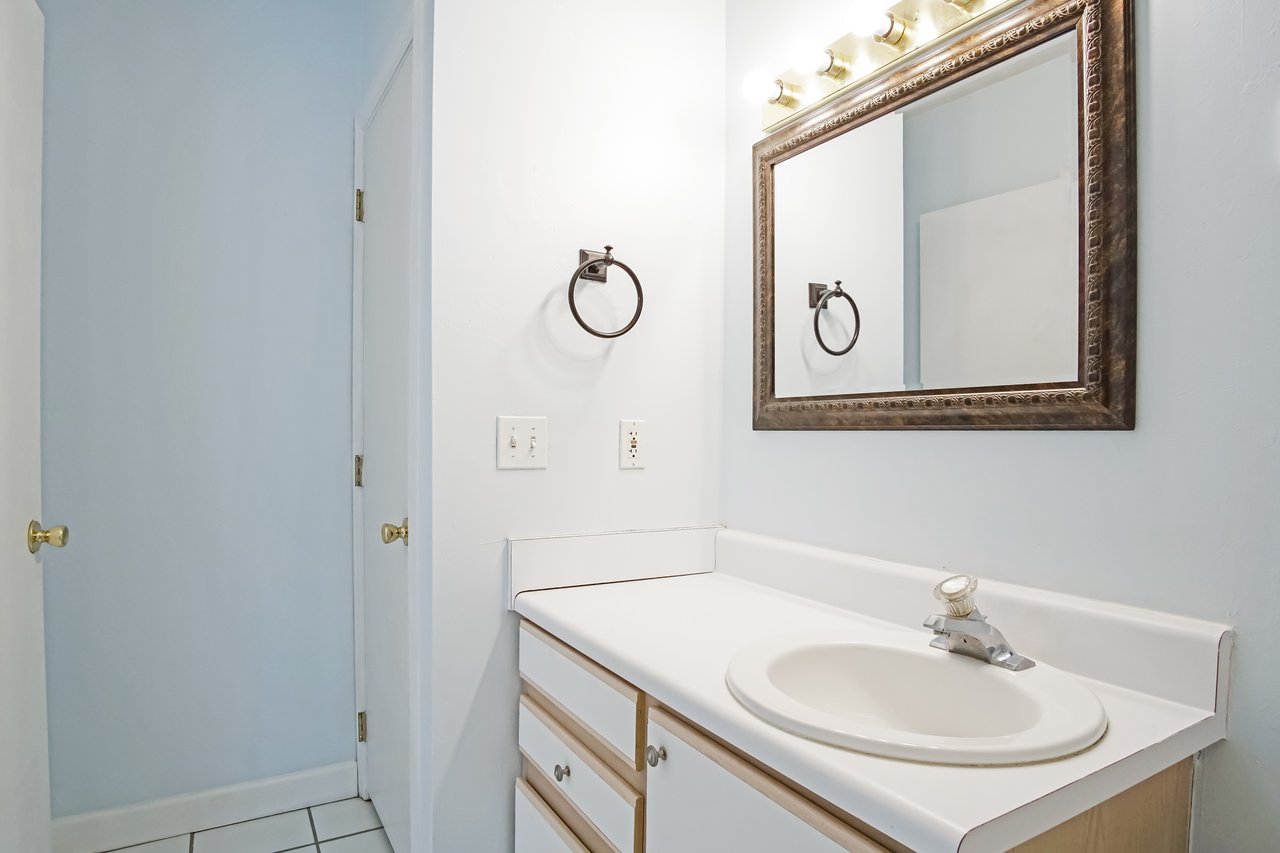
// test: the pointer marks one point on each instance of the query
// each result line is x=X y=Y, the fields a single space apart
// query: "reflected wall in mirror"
x=991 y=291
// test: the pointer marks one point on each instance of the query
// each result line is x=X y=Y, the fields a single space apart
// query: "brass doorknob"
x=391 y=533
x=55 y=536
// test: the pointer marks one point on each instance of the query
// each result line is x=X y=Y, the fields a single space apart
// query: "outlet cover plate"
x=633 y=444
x=523 y=442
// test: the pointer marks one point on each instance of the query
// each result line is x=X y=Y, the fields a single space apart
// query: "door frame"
x=399 y=55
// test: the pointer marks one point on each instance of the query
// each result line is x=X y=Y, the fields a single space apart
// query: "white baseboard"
x=107 y=830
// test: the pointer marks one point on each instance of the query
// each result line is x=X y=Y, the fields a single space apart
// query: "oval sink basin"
x=899 y=700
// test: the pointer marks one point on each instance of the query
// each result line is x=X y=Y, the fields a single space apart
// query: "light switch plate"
x=633 y=445
x=522 y=442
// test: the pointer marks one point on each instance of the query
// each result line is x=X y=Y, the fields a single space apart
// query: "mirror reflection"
x=953 y=224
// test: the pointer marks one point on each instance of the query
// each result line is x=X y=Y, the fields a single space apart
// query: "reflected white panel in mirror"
x=838 y=215
x=999 y=292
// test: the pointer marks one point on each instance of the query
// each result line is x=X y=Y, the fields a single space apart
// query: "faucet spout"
x=964 y=630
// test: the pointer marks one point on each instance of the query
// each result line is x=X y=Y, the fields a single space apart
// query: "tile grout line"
x=353 y=834
x=191 y=848
x=315 y=836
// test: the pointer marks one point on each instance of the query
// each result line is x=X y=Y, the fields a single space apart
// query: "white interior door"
x=24 y=741
x=386 y=358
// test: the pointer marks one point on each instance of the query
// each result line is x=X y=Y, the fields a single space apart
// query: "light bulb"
x=826 y=63
x=818 y=62
x=869 y=18
x=761 y=86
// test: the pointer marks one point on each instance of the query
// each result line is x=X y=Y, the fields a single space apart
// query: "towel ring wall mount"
x=819 y=296
x=595 y=267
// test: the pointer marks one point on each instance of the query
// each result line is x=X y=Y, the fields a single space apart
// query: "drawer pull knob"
x=653 y=756
x=561 y=773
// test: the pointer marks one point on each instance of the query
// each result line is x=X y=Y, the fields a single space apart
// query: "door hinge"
x=359 y=205
x=359 y=470
x=362 y=727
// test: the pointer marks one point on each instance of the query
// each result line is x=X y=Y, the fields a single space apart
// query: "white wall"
x=196 y=392
x=608 y=128
x=1178 y=515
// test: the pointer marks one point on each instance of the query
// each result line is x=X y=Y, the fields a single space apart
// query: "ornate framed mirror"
x=952 y=244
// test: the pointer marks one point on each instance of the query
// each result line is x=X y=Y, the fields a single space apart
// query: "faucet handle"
x=957 y=593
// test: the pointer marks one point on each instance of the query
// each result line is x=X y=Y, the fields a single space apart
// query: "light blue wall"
x=383 y=20
x=196 y=392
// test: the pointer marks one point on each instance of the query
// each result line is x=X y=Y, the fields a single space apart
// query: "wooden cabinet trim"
x=820 y=820
x=553 y=820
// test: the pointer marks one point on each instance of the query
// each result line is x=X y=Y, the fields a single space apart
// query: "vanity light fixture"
x=882 y=34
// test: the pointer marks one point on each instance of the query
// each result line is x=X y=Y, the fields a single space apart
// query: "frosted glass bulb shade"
x=827 y=63
x=759 y=86
x=869 y=18
x=818 y=62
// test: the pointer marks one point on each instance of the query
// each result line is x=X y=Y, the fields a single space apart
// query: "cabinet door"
x=702 y=797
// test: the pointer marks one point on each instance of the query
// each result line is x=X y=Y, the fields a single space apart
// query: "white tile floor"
x=347 y=826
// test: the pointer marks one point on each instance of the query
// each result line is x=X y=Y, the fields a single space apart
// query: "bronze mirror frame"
x=1103 y=395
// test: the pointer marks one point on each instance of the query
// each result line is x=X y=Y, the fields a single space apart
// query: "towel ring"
x=609 y=261
x=817 y=315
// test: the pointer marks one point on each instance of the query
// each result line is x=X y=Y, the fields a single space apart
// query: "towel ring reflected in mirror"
x=595 y=267
x=827 y=296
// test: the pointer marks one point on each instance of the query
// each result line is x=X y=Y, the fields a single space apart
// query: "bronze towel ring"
x=598 y=274
x=817 y=314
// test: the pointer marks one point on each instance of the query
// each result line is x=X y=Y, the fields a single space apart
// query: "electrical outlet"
x=632 y=444
x=523 y=442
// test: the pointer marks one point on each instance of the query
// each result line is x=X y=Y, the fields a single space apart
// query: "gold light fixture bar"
x=910 y=26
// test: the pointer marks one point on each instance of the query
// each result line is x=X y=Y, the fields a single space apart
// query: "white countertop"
x=674 y=637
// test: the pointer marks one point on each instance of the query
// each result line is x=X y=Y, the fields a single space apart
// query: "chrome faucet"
x=964 y=630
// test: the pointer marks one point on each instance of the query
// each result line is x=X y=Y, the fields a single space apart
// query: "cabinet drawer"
x=603 y=798
x=538 y=830
x=609 y=708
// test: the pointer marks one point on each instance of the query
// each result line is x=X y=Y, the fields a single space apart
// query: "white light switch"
x=522 y=442
x=632 y=444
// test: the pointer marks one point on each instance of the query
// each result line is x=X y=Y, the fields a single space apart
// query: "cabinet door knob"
x=561 y=773
x=653 y=756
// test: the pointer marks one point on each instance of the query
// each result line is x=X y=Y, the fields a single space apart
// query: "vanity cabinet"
x=605 y=769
